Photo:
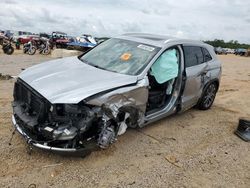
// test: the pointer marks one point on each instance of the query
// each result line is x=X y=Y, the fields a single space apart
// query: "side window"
x=207 y=56
x=193 y=55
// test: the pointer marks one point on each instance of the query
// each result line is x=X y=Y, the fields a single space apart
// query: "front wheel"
x=207 y=99
x=24 y=50
x=32 y=50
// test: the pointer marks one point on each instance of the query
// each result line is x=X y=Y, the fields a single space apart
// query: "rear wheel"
x=9 y=50
x=208 y=97
x=46 y=51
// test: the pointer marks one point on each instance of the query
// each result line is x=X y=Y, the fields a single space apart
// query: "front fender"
x=130 y=97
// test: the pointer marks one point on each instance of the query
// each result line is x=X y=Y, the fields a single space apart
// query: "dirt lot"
x=201 y=144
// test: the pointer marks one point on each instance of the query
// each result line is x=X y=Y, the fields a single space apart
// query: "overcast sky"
x=203 y=19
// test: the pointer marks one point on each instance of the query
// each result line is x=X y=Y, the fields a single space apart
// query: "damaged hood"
x=70 y=80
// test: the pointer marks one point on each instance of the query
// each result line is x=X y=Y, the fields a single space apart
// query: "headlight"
x=65 y=133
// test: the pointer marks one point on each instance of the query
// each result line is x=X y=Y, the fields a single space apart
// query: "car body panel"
x=135 y=95
x=69 y=80
x=194 y=85
x=130 y=99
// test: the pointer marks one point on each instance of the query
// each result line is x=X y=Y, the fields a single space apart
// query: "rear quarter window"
x=193 y=55
x=207 y=56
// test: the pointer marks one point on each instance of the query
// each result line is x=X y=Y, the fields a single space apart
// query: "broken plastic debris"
x=172 y=159
x=122 y=129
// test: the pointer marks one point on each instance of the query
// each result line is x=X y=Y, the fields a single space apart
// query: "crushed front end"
x=60 y=127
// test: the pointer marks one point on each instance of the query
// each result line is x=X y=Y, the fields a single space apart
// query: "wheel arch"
x=216 y=81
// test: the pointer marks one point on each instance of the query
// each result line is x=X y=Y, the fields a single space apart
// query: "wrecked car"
x=83 y=43
x=76 y=104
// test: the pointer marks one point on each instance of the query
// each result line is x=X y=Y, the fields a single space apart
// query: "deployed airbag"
x=166 y=67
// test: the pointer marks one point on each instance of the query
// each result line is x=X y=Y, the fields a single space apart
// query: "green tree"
x=234 y=44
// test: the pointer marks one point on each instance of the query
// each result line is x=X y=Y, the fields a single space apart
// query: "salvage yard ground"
x=193 y=149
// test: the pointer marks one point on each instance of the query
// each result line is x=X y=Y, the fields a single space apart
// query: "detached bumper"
x=71 y=151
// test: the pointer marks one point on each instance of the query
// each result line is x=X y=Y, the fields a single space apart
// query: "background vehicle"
x=22 y=36
x=29 y=48
x=220 y=51
x=26 y=38
x=83 y=43
x=44 y=46
x=230 y=51
x=45 y=35
x=6 y=45
x=240 y=51
x=1 y=33
x=127 y=81
x=60 y=39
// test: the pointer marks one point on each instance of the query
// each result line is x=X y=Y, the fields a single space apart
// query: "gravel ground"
x=192 y=149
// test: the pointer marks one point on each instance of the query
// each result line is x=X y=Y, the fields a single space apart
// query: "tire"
x=46 y=51
x=208 y=96
x=9 y=50
x=32 y=51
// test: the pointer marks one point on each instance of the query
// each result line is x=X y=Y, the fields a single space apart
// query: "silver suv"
x=76 y=104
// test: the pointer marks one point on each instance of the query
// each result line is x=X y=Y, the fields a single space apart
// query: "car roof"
x=158 y=40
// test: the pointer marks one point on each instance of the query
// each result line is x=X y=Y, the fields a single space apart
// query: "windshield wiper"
x=96 y=66
x=84 y=61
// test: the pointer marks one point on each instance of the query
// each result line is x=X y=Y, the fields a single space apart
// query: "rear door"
x=195 y=70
